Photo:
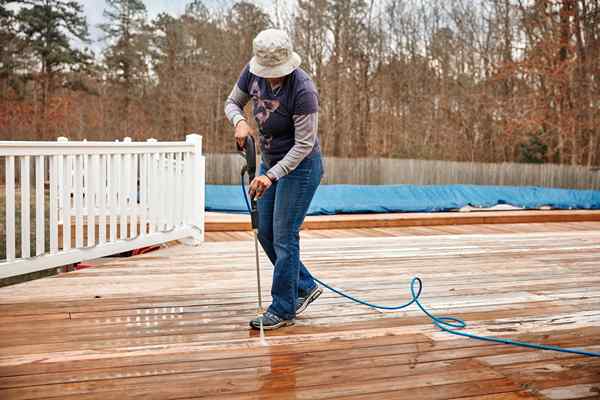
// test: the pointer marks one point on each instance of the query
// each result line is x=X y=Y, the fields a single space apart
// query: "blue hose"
x=450 y=325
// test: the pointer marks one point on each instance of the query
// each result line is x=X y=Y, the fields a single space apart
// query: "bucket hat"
x=273 y=55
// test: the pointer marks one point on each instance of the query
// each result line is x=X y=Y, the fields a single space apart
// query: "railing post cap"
x=193 y=138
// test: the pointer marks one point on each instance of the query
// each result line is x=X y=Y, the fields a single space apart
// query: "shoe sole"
x=313 y=296
x=282 y=324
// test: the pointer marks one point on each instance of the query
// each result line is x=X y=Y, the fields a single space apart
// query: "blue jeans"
x=281 y=210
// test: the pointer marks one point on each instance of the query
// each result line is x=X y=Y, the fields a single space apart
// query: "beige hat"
x=273 y=54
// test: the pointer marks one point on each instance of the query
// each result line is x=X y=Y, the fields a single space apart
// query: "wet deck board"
x=173 y=324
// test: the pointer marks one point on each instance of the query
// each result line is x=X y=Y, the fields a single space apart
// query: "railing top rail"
x=24 y=148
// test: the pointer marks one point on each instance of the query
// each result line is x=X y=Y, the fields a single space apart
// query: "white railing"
x=94 y=199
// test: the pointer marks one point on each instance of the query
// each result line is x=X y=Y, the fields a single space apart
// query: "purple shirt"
x=274 y=112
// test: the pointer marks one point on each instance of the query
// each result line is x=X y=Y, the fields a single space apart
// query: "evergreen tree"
x=46 y=29
x=197 y=9
x=125 y=55
x=124 y=30
x=8 y=38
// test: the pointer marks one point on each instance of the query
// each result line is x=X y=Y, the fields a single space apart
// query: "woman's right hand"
x=242 y=130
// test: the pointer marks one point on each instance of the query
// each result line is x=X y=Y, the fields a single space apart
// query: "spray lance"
x=249 y=154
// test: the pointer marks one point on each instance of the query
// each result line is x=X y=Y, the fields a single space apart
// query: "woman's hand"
x=259 y=186
x=242 y=130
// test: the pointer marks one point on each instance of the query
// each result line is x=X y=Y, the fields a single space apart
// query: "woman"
x=285 y=107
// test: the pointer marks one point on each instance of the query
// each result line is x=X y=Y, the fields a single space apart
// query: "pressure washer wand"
x=249 y=153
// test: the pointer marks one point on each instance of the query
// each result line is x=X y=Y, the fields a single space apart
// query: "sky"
x=95 y=8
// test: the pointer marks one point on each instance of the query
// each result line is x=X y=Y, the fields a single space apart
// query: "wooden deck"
x=173 y=324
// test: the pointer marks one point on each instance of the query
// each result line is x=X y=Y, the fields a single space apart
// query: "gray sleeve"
x=234 y=105
x=306 y=127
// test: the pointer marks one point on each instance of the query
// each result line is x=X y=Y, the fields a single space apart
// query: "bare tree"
x=492 y=80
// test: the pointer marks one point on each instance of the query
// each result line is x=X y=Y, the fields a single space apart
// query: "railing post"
x=197 y=176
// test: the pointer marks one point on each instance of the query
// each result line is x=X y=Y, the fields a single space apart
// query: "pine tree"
x=46 y=28
x=197 y=9
x=8 y=37
x=124 y=31
x=125 y=56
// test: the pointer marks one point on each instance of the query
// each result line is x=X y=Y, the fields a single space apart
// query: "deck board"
x=173 y=324
x=227 y=222
x=419 y=231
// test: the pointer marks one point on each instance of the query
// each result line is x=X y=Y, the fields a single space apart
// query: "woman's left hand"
x=259 y=186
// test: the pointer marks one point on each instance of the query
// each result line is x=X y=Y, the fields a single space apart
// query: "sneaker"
x=270 y=321
x=303 y=302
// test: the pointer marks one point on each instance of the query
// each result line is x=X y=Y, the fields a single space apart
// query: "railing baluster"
x=169 y=183
x=133 y=197
x=126 y=192
x=178 y=190
x=102 y=193
x=91 y=187
x=153 y=183
x=187 y=187
x=168 y=210
x=174 y=189
x=40 y=239
x=10 y=207
x=78 y=197
x=123 y=174
x=156 y=193
x=53 y=210
x=163 y=211
x=25 y=211
x=61 y=177
x=112 y=197
x=161 y=194
x=143 y=195
x=66 y=196
x=182 y=189
x=175 y=195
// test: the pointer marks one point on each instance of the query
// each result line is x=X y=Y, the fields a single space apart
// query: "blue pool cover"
x=346 y=199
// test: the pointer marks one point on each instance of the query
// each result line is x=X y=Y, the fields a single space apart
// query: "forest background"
x=464 y=80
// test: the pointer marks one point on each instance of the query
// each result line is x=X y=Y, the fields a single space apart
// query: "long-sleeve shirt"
x=287 y=120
